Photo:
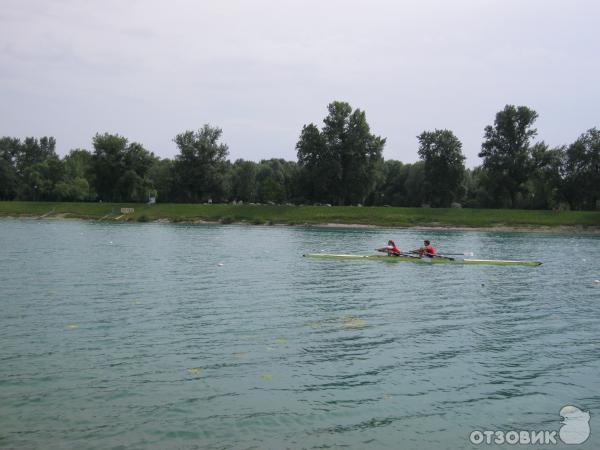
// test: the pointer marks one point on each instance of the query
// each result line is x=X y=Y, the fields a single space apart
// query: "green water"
x=148 y=336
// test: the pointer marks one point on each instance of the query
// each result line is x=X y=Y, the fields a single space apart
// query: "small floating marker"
x=596 y=281
x=194 y=370
x=72 y=326
x=281 y=340
x=266 y=377
x=110 y=243
x=220 y=264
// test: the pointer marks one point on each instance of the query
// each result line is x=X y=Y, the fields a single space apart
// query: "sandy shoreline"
x=559 y=229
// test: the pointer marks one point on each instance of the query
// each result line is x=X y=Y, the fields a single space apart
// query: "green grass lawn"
x=299 y=215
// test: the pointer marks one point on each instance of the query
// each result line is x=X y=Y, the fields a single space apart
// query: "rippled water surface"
x=148 y=336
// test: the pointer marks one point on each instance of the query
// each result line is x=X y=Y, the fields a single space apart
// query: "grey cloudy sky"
x=260 y=69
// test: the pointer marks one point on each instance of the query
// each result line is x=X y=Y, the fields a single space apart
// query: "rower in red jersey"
x=426 y=250
x=390 y=249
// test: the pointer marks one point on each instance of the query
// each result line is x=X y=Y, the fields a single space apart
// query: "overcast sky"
x=261 y=69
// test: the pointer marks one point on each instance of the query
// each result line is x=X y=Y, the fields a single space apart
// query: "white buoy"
x=596 y=281
x=220 y=264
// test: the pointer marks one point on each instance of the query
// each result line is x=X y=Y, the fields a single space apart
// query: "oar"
x=401 y=253
x=426 y=255
x=449 y=254
x=409 y=255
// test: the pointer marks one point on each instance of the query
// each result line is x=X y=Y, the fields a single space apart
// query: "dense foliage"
x=341 y=164
x=444 y=166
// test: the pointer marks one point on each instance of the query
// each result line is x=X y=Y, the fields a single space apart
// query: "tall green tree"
x=107 y=164
x=392 y=190
x=444 y=161
x=134 y=184
x=275 y=180
x=270 y=182
x=415 y=184
x=342 y=162
x=77 y=171
x=476 y=189
x=506 y=153
x=161 y=176
x=78 y=163
x=120 y=169
x=545 y=182
x=31 y=169
x=582 y=171
x=9 y=179
x=320 y=170
x=243 y=180
x=201 y=164
x=41 y=178
x=34 y=151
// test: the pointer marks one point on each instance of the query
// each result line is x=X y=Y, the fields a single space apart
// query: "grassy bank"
x=309 y=215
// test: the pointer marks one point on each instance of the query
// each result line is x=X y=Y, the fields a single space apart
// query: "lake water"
x=151 y=336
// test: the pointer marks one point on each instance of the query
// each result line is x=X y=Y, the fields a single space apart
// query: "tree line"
x=340 y=163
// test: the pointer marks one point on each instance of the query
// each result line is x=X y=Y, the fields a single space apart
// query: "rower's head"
x=390 y=242
x=426 y=242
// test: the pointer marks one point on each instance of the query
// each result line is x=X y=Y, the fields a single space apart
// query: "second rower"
x=426 y=250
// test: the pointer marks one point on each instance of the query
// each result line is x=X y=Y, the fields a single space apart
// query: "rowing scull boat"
x=426 y=260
